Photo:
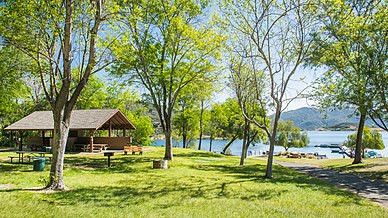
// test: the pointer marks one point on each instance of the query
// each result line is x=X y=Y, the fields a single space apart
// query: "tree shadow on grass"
x=119 y=164
x=14 y=167
x=379 y=175
x=282 y=175
x=163 y=188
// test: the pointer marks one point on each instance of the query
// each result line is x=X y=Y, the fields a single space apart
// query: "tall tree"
x=186 y=117
x=290 y=136
x=216 y=123
x=232 y=125
x=204 y=94
x=371 y=139
x=243 y=83
x=165 y=48
x=352 y=45
x=274 y=37
x=13 y=90
x=54 y=34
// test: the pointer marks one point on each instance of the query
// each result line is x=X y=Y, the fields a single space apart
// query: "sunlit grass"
x=198 y=184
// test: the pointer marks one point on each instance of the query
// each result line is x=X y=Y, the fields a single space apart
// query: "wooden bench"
x=133 y=149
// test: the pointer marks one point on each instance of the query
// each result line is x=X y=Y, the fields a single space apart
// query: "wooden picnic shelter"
x=83 y=126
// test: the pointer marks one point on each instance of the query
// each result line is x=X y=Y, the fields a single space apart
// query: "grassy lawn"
x=373 y=168
x=198 y=184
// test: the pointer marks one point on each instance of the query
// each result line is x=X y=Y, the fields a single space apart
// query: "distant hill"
x=309 y=118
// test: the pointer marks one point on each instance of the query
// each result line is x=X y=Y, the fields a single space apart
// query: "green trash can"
x=48 y=149
x=39 y=163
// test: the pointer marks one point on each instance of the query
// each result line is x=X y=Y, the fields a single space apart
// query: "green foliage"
x=268 y=41
x=94 y=95
x=290 y=136
x=164 y=49
x=370 y=139
x=234 y=120
x=187 y=112
x=15 y=94
x=217 y=121
x=186 y=123
x=144 y=129
x=353 y=48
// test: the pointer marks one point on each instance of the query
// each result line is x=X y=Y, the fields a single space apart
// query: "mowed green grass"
x=198 y=184
x=372 y=168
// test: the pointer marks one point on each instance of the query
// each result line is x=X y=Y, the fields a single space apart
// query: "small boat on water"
x=335 y=146
x=322 y=145
x=336 y=150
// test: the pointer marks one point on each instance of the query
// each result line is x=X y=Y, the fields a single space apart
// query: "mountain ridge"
x=310 y=118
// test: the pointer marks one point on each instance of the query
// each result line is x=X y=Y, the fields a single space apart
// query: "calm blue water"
x=316 y=137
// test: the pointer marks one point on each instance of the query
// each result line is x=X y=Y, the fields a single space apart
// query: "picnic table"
x=33 y=153
x=98 y=147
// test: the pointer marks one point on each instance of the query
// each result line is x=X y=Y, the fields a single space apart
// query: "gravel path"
x=376 y=191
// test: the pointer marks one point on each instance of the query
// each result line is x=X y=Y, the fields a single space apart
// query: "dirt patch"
x=88 y=166
x=7 y=185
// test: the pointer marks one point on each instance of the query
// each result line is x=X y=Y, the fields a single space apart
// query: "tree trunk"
x=61 y=132
x=268 y=173
x=358 y=152
x=184 y=138
x=168 y=151
x=211 y=142
x=200 y=127
x=229 y=144
x=245 y=143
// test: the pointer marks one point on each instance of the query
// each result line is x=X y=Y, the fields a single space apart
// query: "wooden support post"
x=43 y=144
x=124 y=132
x=110 y=128
x=11 y=139
x=21 y=141
x=91 y=140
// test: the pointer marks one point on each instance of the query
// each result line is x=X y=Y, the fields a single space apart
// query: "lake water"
x=316 y=137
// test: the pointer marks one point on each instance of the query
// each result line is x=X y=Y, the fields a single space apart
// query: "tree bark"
x=229 y=144
x=245 y=143
x=184 y=140
x=62 y=111
x=268 y=173
x=200 y=127
x=61 y=132
x=211 y=142
x=168 y=150
x=358 y=152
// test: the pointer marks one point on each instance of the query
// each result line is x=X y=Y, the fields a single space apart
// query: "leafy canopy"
x=371 y=139
x=290 y=136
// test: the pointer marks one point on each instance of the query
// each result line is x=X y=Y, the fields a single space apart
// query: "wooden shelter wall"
x=36 y=141
x=48 y=141
x=113 y=142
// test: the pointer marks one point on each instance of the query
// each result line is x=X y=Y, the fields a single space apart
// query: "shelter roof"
x=80 y=120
